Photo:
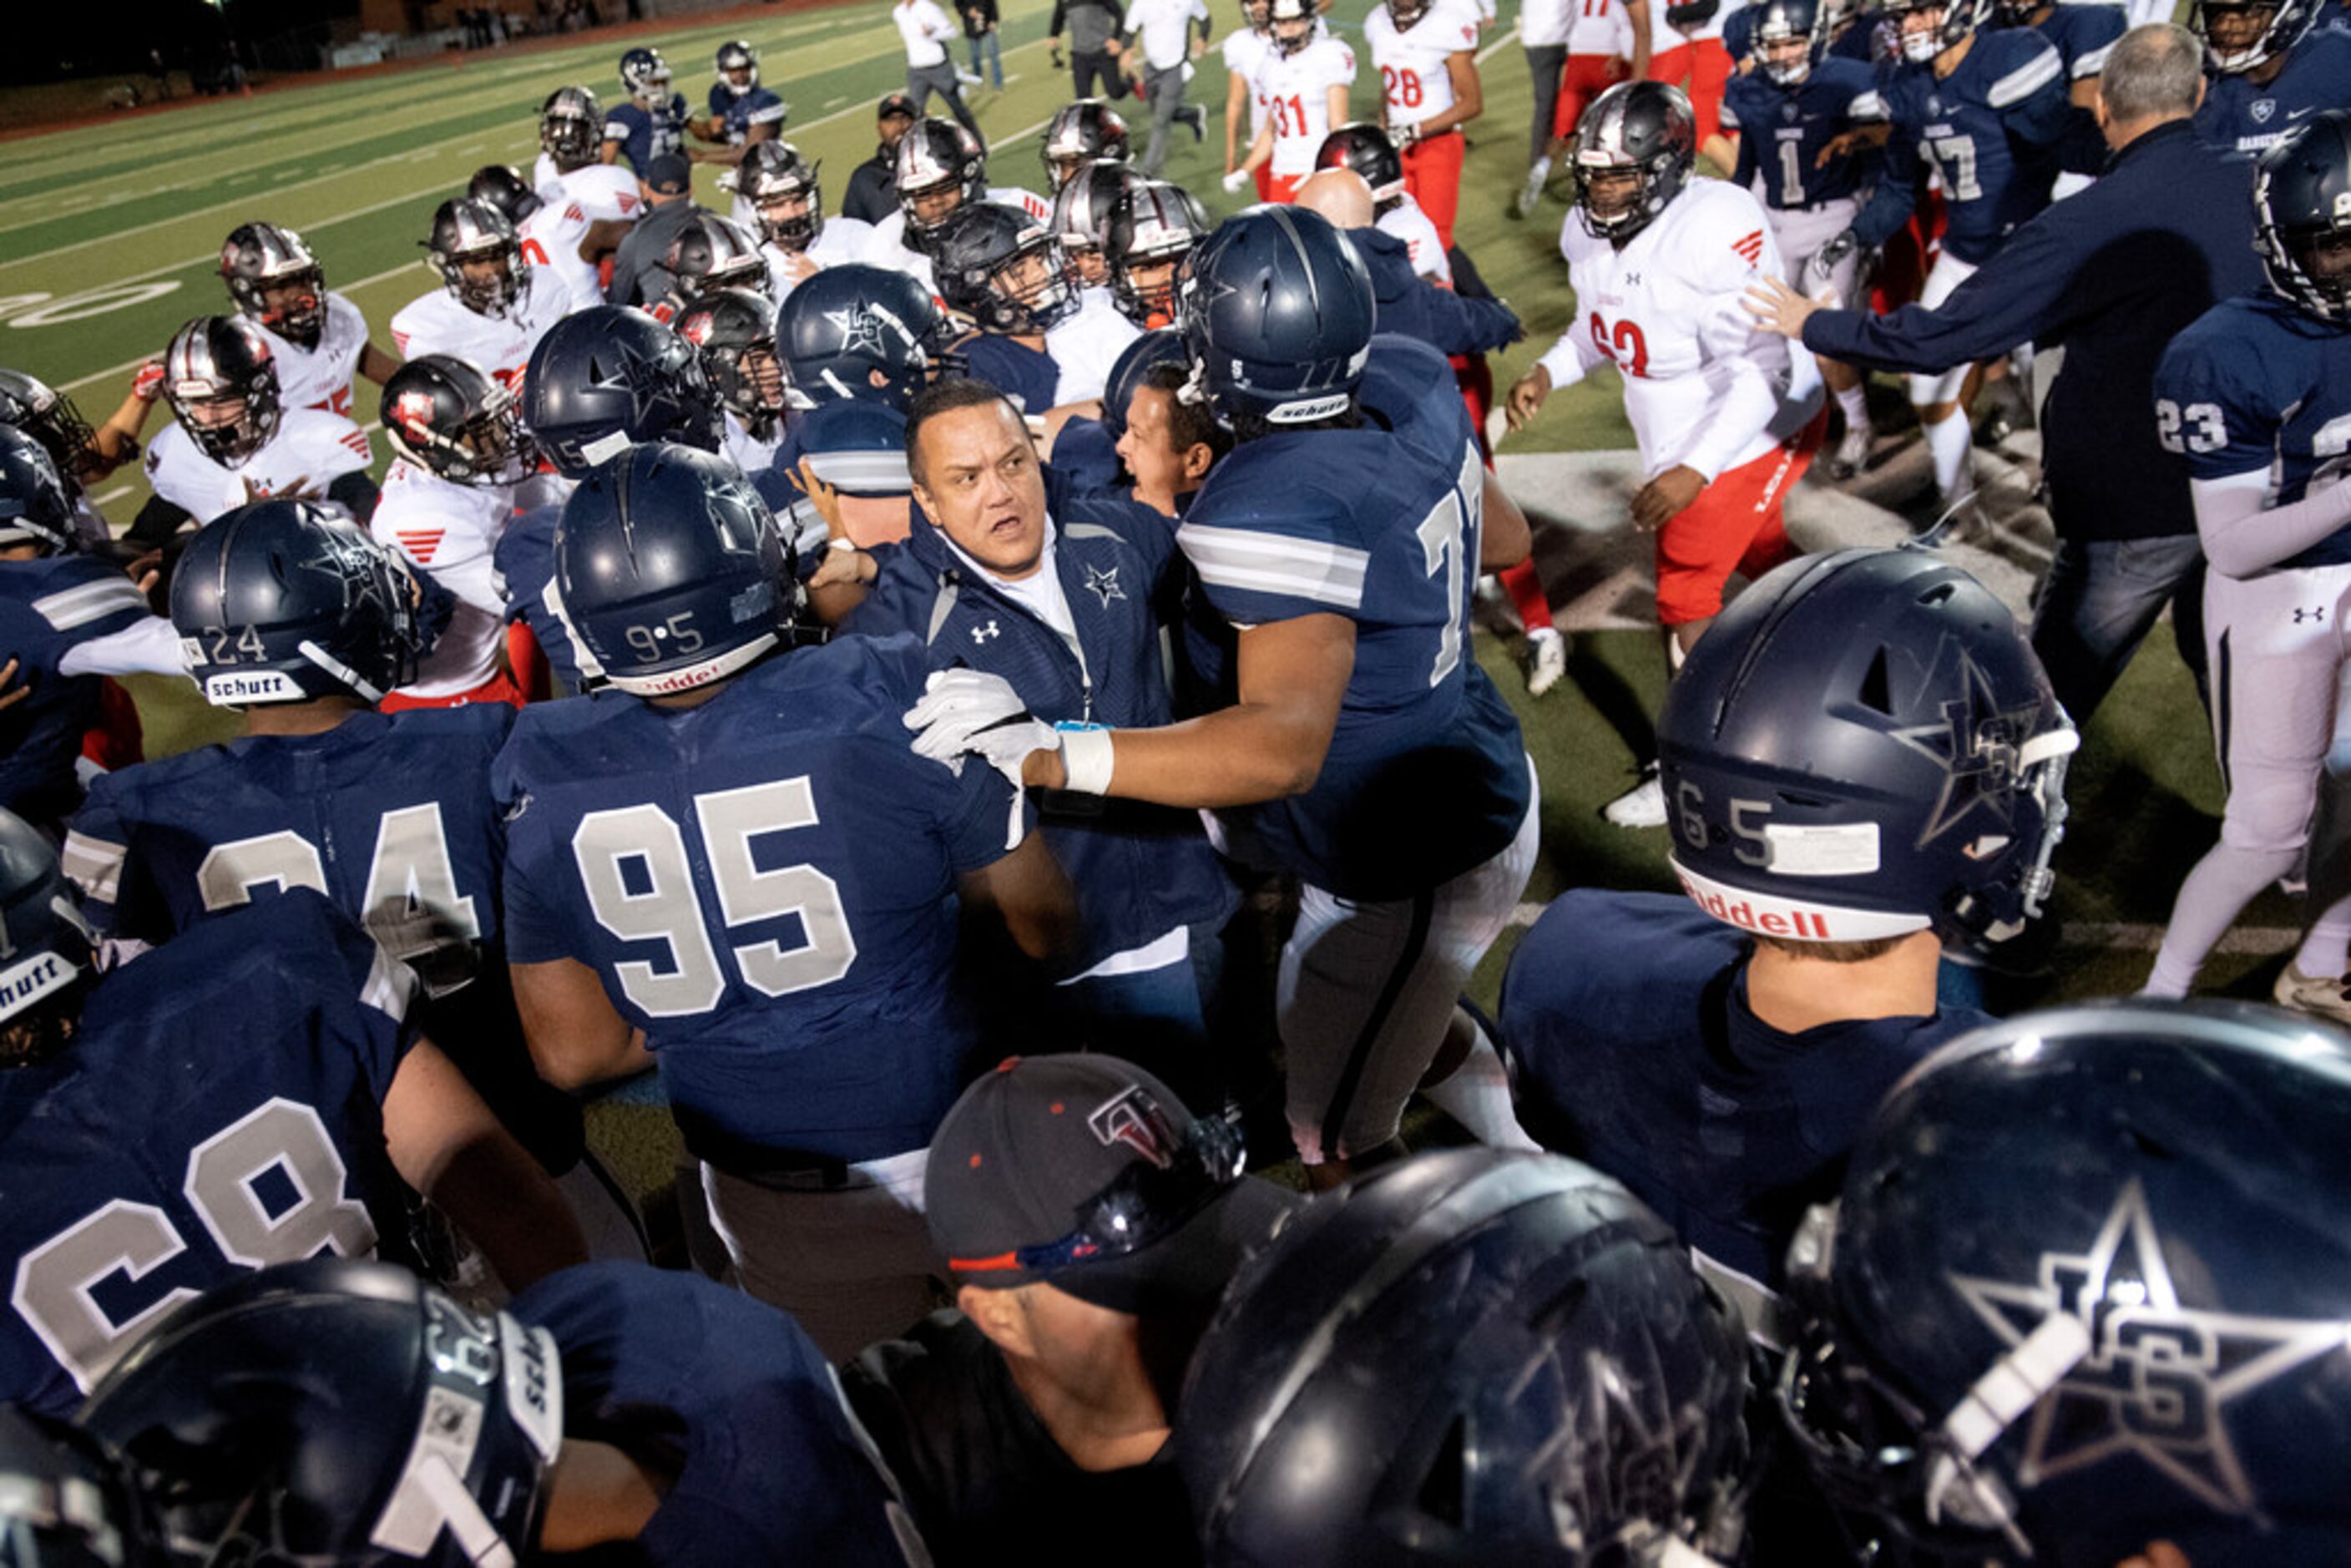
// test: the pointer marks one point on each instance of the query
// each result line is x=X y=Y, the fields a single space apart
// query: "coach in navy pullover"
x=2111 y=274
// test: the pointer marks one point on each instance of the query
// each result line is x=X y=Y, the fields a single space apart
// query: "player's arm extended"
x=576 y=1036
x=448 y=1145
x=2241 y=536
x=1504 y=540
x=1268 y=745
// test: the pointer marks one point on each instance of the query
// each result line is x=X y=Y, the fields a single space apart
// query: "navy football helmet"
x=1154 y=228
x=1469 y=1357
x=221 y=379
x=736 y=55
x=1081 y=133
x=2269 y=29
x=1956 y=19
x=866 y=332
x=1646 y=127
x=734 y=331
x=45 y=946
x=1370 y=151
x=468 y=230
x=68 y=1502
x=1789 y=21
x=1003 y=269
x=283 y=601
x=610 y=376
x=572 y=128
x=671 y=571
x=937 y=157
x=2302 y=215
x=338 y=1412
x=1160 y=345
x=35 y=507
x=1864 y=745
x=774 y=177
x=646 y=75
x=2088 y=1287
x=1277 y=316
x=505 y=189
x=450 y=419
x=49 y=417
x=260 y=259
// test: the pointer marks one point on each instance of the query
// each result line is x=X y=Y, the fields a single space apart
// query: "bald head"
x=1339 y=194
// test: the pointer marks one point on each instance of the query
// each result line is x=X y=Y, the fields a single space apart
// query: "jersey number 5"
x=639 y=883
x=57 y=1281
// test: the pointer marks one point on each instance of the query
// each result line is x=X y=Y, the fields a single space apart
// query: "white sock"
x=1478 y=1096
x=1855 y=408
x=1539 y=171
x=2210 y=901
x=1951 y=443
x=2324 y=947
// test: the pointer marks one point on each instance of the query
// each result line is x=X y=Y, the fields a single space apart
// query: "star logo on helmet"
x=2157 y=1377
x=1617 y=1455
x=859 y=329
x=1979 y=745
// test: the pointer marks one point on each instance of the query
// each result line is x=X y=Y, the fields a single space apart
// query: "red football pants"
x=1582 y=79
x=1705 y=64
x=1737 y=523
x=1432 y=172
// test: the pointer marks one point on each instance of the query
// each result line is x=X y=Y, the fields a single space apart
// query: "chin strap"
x=2013 y=1385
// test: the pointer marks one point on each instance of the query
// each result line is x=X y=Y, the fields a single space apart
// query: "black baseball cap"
x=897 y=106
x=669 y=174
x=1086 y=1172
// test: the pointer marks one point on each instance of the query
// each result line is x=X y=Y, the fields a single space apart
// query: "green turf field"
x=109 y=237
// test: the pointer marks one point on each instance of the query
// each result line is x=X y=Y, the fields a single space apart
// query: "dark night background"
x=56 y=40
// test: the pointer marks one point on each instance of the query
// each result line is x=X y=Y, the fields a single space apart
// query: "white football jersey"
x=498 y=346
x=841 y=240
x=311 y=449
x=1245 y=50
x=1413 y=83
x=1545 y=23
x=1087 y=346
x=1664 y=35
x=1297 y=92
x=321 y=377
x=545 y=180
x=886 y=245
x=746 y=451
x=1702 y=385
x=551 y=236
x=1600 y=27
x=450 y=533
x=1411 y=225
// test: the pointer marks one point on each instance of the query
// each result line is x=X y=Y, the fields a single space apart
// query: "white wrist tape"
x=1086 y=757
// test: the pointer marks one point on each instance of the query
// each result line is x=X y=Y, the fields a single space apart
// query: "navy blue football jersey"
x=2239 y=117
x=728 y=1395
x=767 y=885
x=644 y=134
x=737 y=112
x=389 y=815
x=1633 y=1048
x=1782 y=131
x=2085 y=34
x=2255 y=385
x=1026 y=375
x=524 y=558
x=219 y=1109
x=1991 y=129
x=47 y=606
x=1425 y=776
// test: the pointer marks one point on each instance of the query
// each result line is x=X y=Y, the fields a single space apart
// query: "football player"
x=258 y=1091
x=742 y=112
x=1591 y=46
x=1067 y=607
x=491 y=307
x=651 y=120
x=1863 y=760
x=448 y=498
x=1370 y=153
x=648 y=1413
x=2257 y=394
x=1426 y=53
x=2270 y=66
x=1986 y=111
x=2062 y=1204
x=1086 y=131
x=941 y=166
x=568 y=235
x=1245 y=49
x=787 y=203
x=236 y=441
x=570 y=138
x=1004 y=272
x=66 y=620
x=1152 y=229
x=1472 y=1356
x=83 y=456
x=734 y=330
x=737 y=870
x=1081 y=221
x=709 y=254
x=1795 y=113
x=318 y=338
x=1165 y=445
x=1725 y=423
x=1338 y=542
x=1302 y=77
x=2085 y=33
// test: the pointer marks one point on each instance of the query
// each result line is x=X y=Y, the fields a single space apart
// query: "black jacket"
x=872 y=192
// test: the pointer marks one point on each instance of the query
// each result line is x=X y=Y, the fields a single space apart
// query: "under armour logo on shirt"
x=982 y=633
x=2300 y=614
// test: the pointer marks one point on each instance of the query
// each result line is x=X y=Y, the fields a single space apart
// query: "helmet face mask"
x=646 y=75
x=448 y=418
x=2240 y=37
x=50 y=418
x=940 y=169
x=274 y=279
x=572 y=128
x=1634 y=149
x=1153 y=229
x=1925 y=28
x=1787 y=41
x=737 y=65
x=221 y=383
x=35 y=507
x=473 y=248
x=786 y=192
x=1292 y=22
x=2301 y=216
x=738 y=345
x=1005 y=270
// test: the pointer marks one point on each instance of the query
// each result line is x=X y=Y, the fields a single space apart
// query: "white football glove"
x=973 y=713
x=1235 y=180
